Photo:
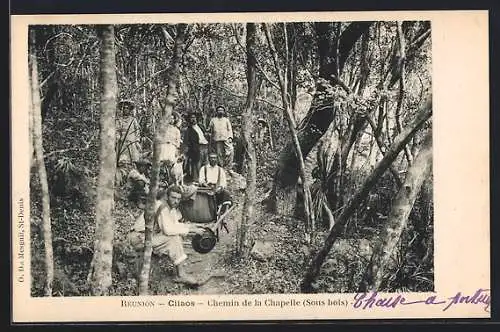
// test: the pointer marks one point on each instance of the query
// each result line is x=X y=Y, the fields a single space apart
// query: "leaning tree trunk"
x=247 y=125
x=398 y=217
x=399 y=143
x=36 y=133
x=296 y=144
x=332 y=58
x=171 y=97
x=103 y=247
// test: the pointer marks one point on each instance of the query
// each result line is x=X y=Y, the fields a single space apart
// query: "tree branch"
x=423 y=114
x=257 y=64
x=382 y=148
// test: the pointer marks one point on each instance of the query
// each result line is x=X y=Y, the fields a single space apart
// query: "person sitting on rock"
x=171 y=173
x=213 y=176
x=138 y=182
x=168 y=231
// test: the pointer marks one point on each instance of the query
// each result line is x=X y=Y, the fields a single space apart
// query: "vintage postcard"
x=264 y=166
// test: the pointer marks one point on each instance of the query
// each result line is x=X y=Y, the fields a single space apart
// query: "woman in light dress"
x=170 y=139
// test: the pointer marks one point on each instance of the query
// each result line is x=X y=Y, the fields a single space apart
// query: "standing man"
x=239 y=153
x=196 y=146
x=261 y=136
x=221 y=131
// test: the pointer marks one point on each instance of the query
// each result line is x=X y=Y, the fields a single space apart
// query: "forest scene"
x=318 y=136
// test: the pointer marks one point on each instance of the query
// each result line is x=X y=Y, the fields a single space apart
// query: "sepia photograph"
x=286 y=165
x=220 y=158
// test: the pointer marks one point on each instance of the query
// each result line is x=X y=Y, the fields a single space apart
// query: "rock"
x=236 y=181
x=262 y=250
x=349 y=248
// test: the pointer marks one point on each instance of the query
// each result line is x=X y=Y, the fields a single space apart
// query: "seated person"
x=213 y=176
x=168 y=232
x=138 y=182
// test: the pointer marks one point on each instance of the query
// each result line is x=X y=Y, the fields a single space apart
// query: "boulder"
x=345 y=252
x=236 y=181
x=352 y=248
x=262 y=250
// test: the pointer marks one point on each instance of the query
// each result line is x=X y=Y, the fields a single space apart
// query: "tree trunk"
x=400 y=142
x=381 y=148
x=319 y=117
x=172 y=79
x=247 y=127
x=396 y=223
x=402 y=57
x=291 y=124
x=292 y=64
x=103 y=250
x=36 y=132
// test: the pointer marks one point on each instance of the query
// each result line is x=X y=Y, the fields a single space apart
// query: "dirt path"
x=201 y=266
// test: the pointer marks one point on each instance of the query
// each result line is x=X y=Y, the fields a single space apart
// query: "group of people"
x=192 y=147
x=204 y=158
x=182 y=156
x=219 y=141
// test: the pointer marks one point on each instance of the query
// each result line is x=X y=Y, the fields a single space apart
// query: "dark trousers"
x=196 y=160
x=220 y=149
x=221 y=197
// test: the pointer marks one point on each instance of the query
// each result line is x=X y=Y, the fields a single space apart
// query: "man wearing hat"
x=221 y=133
x=129 y=134
x=196 y=145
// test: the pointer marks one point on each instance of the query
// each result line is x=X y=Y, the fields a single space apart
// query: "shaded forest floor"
x=282 y=271
x=235 y=275
x=73 y=243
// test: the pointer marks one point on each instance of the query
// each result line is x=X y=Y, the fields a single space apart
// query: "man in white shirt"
x=221 y=133
x=214 y=177
x=168 y=232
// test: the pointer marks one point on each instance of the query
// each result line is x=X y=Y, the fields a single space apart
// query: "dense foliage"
x=367 y=109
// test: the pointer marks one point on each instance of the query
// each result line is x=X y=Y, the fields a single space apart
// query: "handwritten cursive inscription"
x=371 y=300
